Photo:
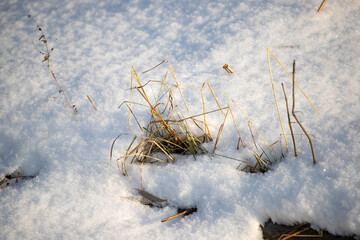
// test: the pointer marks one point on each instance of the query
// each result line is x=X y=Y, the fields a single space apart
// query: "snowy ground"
x=77 y=194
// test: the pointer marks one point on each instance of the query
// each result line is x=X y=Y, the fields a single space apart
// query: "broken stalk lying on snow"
x=228 y=69
x=322 y=5
x=91 y=102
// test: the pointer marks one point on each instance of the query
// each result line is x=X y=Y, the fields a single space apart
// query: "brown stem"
x=61 y=89
x=252 y=136
x=288 y=114
x=297 y=120
x=47 y=59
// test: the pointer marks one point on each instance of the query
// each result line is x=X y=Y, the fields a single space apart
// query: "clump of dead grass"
x=169 y=134
x=172 y=131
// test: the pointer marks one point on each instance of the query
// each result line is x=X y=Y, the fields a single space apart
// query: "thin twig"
x=293 y=113
x=154 y=67
x=47 y=59
x=8 y=178
x=252 y=135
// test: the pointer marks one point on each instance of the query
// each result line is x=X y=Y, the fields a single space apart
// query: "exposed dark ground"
x=273 y=231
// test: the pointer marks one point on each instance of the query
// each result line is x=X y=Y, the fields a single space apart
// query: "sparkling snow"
x=78 y=194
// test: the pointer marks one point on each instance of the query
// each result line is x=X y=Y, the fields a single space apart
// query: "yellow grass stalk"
x=177 y=86
x=91 y=102
x=163 y=150
x=252 y=135
x=268 y=51
x=213 y=94
x=207 y=131
x=142 y=92
x=61 y=89
x=131 y=86
x=322 y=5
x=237 y=106
x=177 y=215
x=173 y=73
x=136 y=154
x=220 y=131
x=153 y=110
x=262 y=138
x=131 y=111
x=260 y=160
x=277 y=106
x=296 y=231
x=237 y=129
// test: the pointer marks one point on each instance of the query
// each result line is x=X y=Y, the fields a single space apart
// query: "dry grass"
x=173 y=131
x=294 y=83
x=13 y=178
x=169 y=134
x=273 y=86
x=46 y=52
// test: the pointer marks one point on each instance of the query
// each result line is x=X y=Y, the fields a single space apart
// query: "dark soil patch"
x=273 y=231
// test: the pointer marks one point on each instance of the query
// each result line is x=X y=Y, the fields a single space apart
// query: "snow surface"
x=77 y=194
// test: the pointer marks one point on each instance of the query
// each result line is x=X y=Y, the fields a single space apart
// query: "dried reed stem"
x=297 y=120
x=91 y=102
x=288 y=115
x=238 y=107
x=252 y=135
x=61 y=89
x=185 y=212
x=220 y=131
x=276 y=103
x=237 y=129
x=207 y=131
x=321 y=6
x=268 y=51
x=296 y=234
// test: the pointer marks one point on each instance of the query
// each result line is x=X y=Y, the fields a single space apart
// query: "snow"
x=77 y=193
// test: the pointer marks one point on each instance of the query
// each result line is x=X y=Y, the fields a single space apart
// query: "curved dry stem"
x=220 y=131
